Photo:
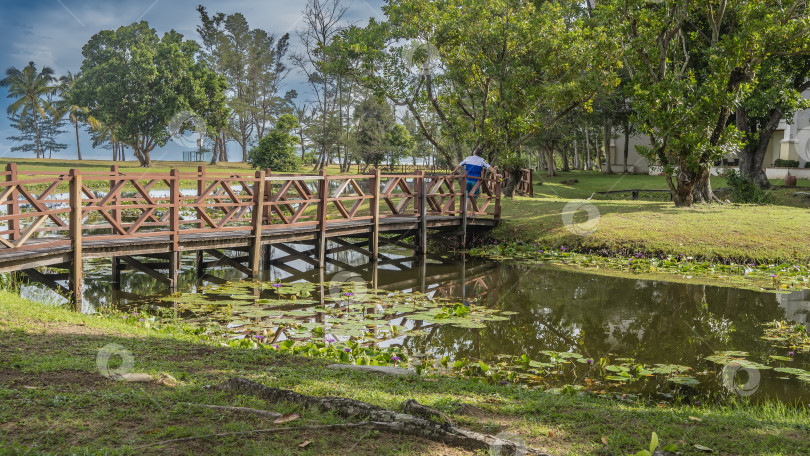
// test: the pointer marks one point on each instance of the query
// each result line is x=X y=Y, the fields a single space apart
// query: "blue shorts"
x=470 y=184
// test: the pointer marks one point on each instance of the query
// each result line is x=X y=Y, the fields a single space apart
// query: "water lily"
x=348 y=293
x=276 y=346
x=589 y=361
x=347 y=350
x=278 y=285
x=791 y=354
x=260 y=337
x=329 y=339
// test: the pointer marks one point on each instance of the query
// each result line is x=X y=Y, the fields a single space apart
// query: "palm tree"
x=66 y=107
x=30 y=89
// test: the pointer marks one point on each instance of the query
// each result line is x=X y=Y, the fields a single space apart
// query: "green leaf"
x=653 y=442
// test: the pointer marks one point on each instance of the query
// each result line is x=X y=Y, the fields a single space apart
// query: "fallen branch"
x=265 y=413
x=259 y=431
x=384 y=419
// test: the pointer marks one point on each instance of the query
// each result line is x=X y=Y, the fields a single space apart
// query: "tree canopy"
x=135 y=82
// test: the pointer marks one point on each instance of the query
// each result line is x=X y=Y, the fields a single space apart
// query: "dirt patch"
x=16 y=378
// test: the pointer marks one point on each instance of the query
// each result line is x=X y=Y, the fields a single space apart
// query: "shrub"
x=779 y=163
x=745 y=190
x=277 y=149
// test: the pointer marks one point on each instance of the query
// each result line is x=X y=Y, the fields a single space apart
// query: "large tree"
x=30 y=89
x=493 y=74
x=690 y=64
x=136 y=82
x=323 y=21
x=777 y=95
x=63 y=107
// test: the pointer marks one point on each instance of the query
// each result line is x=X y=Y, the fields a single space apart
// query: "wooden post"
x=116 y=200
x=200 y=264
x=116 y=273
x=498 y=190
x=174 y=270
x=323 y=193
x=531 y=183
x=200 y=190
x=13 y=208
x=464 y=198
x=268 y=196
x=174 y=227
x=375 y=215
x=421 y=188
x=258 y=206
x=75 y=230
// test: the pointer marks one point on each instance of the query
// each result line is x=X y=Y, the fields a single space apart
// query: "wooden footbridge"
x=145 y=221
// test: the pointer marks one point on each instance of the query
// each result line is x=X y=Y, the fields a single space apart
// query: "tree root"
x=384 y=419
x=264 y=413
x=259 y=431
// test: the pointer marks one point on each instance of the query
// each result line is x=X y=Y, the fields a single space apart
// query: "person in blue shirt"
x=475 y=166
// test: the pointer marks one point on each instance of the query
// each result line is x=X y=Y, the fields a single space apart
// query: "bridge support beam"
x=174 y=271
x=76 y=216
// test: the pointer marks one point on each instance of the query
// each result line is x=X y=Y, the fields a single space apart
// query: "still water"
x=544 y=311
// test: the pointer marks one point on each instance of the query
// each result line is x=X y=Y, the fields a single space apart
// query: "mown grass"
x=776 y=232
x=55 y=401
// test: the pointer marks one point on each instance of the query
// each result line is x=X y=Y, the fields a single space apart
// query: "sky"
x=52 y=33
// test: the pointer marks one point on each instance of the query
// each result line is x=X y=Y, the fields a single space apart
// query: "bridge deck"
x=62 y=218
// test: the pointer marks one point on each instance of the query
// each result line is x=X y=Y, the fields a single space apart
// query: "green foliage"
x=780 y=163
x=375 y=120
x=490 y=74
x=401 y=143
x=277 y=150
x=690 y=63
x=30 y=90
x=135 y=83
x=745 y=190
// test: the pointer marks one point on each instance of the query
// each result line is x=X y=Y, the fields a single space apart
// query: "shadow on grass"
x=50 y=386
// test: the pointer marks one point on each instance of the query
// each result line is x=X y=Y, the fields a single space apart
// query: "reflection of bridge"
x=57 y=219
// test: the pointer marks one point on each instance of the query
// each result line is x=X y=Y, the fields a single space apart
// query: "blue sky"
x=52 y=32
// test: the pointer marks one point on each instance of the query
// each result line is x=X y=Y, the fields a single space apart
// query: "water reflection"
x=564 y=311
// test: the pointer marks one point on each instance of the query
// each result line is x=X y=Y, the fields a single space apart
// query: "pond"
x=507 y=321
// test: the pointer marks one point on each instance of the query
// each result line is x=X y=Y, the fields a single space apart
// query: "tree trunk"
x=608 y=158
x=626 y=144
x=78 y=147
x=576 y=155
x=702 y=190
x=550 y=159
x=587 y=148
x=752 y=155
x=565 y=167
x=36 y=131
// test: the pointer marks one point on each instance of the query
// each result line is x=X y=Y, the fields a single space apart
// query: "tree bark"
x=576 y=155
x=565 y=167
x=702 y=190
x=550 y=161
x=626 y=144
x=78 y=147
x=417 y=420
x=752 y=155
x=608 y=158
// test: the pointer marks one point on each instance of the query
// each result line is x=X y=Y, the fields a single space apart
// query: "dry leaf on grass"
x=286 y=418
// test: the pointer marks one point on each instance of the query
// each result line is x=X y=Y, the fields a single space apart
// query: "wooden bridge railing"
x=42 y=207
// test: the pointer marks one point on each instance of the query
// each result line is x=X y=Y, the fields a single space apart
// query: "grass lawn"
x=55 y=401
x=654 y=225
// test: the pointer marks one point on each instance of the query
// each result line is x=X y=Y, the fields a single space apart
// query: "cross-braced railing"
x=40 y=209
